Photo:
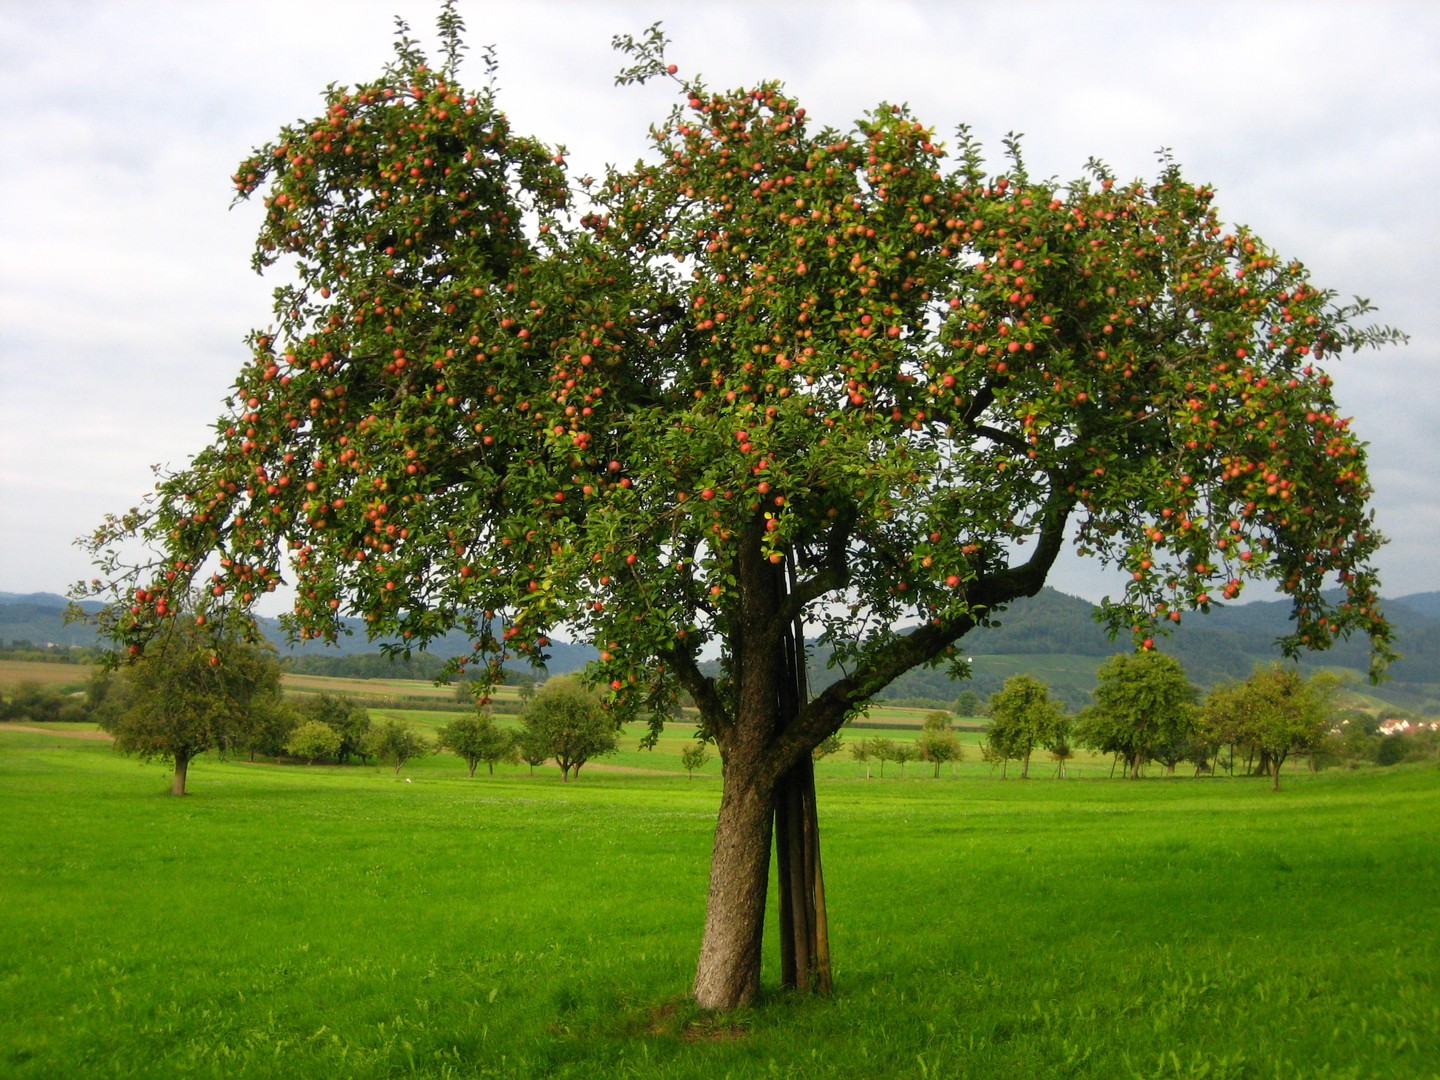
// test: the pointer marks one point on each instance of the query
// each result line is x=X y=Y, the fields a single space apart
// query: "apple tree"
x=777 y=381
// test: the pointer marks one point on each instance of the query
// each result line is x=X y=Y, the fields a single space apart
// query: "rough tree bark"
x=727 y=974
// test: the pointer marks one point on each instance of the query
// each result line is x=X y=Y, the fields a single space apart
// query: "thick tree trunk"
x=728 y=973
x=182 y=766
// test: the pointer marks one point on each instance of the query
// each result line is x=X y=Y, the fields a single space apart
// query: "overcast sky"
x=125 y=288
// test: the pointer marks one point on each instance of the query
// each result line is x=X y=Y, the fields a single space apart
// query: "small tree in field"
x=1022 y=717
x=192 y=691
x=994 y=754
x=882 y=750
x=477 y=738
x=1061 y=752
x=862 y=750
x=694 y=757
x=567 y=721
x=396 y=743
x=532 y=746
x=905 y=752
x=781 y=376
x=313 y=740
x=939 y=746
x=1143 y=702
x=968 y=703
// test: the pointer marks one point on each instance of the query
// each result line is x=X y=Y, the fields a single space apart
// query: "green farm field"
x=285 y=921
x=59 y=676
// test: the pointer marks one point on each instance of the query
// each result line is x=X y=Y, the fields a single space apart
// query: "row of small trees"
x=938 y=744
x=1145 y=710
x=562 y=721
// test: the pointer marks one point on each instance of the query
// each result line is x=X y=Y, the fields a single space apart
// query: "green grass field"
x=292 y=922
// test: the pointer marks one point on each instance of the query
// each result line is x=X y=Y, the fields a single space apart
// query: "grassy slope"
x=286 y=921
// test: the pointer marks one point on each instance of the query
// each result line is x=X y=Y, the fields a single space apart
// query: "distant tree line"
x=427 y=666
x=198 y=690
x=22 y=649
x=1147 y=712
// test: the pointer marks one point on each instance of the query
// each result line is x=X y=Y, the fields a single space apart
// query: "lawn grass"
x=290 y=921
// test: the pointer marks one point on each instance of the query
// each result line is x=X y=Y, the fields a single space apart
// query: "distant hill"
x=1051 y=635
x=39 y=618
x=1425 y=603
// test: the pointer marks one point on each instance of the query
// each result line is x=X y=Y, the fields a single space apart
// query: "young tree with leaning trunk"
x=777 y=381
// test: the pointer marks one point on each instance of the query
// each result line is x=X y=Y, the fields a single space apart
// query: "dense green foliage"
x=476 y=738
x=349 y=719
x=564 y=721
x=196 y=688
x=32 y=702
x=313 y=740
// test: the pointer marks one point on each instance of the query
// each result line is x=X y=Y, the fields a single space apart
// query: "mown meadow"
x=292 y=921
